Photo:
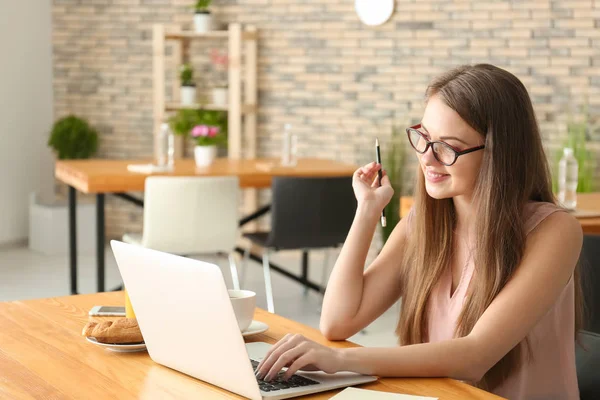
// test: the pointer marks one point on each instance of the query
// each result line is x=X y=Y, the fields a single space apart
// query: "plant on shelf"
x=202 y=16
x=220 y=62
x=394 y=165
x=73 y=138
x=188 y=86
x=184 y=120
x=202 y=6
x=207 y=128
x=207 y=135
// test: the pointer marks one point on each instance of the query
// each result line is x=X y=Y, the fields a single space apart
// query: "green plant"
x=73 y=138
x=186 y=75
x=393 y=163
x=576 y=139
x=202 y=5
x=185 y=120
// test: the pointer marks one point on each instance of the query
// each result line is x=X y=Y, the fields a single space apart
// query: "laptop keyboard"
x=278 y=383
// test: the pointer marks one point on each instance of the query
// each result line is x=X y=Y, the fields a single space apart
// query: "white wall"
x=26 y=110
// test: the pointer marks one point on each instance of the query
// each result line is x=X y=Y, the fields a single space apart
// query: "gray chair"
x=587 y=354
x=306 y=213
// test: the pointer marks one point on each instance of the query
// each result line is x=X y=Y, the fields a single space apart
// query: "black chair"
x=590 y=279
x=587 y=355
x=306 y=213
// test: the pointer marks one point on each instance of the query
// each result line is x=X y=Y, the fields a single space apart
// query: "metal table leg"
x=278 y=269
x=100 y=266
x=73 y=238
x=305 y=269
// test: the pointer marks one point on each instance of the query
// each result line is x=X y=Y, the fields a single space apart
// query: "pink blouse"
x=551 y=374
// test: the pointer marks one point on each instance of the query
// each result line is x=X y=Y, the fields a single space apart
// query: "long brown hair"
x=514 y=170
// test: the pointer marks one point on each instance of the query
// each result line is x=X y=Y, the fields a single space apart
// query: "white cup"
x=243 y=302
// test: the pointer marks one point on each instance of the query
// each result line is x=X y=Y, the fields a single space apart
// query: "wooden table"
x=43 y=355
x=111 y=176
x=585 y=201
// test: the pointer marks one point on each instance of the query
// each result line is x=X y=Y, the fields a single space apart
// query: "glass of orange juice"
x=128 y=307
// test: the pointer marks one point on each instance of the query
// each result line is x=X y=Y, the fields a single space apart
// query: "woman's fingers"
x=384 y=177
x=302 y=361
x=364 y=169
x=274 y=348
x=385 y=180
x=275 y=353
x=286 y=358
x=367 y=172
x=375 y=181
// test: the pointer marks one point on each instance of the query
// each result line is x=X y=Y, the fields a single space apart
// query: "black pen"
x=380 y=174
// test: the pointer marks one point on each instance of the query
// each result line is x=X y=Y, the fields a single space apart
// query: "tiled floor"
x=25 y=274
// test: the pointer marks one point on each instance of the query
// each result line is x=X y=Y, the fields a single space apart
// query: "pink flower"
x=219 y=59
x=213 y=131
x=200 y=130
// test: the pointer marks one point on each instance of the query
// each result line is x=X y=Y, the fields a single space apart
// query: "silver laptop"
x=188 y=324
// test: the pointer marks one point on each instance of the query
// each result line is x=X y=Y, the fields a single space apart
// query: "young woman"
x=485 y=263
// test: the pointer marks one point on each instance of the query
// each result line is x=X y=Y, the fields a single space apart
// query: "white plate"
x=121 y=348
x=255 y=328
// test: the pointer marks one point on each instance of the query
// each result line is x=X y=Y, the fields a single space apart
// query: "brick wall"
x=338 y=81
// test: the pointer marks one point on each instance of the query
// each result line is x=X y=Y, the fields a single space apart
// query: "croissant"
x=125 y=330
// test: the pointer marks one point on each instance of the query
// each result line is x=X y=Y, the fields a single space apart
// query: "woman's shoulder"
x=537 y=211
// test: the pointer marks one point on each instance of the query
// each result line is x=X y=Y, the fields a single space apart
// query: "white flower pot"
x=188 y=95
x=202 y=22
x=205 y=155
x=219 y=96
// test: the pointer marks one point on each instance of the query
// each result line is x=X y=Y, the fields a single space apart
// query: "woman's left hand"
x=298 y=353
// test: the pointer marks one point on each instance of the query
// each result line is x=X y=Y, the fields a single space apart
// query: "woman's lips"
x=435 y=177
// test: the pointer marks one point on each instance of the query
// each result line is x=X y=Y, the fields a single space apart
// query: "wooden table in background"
x=112 y=176
x=43 y=355
x=585 y=201
x=102 y=177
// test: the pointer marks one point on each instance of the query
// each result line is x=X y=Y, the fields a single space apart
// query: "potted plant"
x=206 y=137
x=188 y=87
x=202 y=17
x=207 y=128
x=73 y=138
x=219 y=91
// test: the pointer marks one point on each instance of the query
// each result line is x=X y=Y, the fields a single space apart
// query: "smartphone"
x=106 y=311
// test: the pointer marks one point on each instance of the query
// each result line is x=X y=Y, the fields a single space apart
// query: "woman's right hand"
x=366 y=187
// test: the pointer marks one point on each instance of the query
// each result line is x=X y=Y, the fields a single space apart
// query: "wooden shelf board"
x=209 y=35
x=248 y=108
x=195 y=35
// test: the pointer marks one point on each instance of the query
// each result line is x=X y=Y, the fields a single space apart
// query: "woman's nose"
x=428 y=158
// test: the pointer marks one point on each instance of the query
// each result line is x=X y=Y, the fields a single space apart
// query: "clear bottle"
x=171 y=151
x=286 y=146
x=294 y=150
x=166 y=146
x=568 y=170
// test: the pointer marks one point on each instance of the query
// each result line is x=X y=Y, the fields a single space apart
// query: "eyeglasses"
x=442 y=151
